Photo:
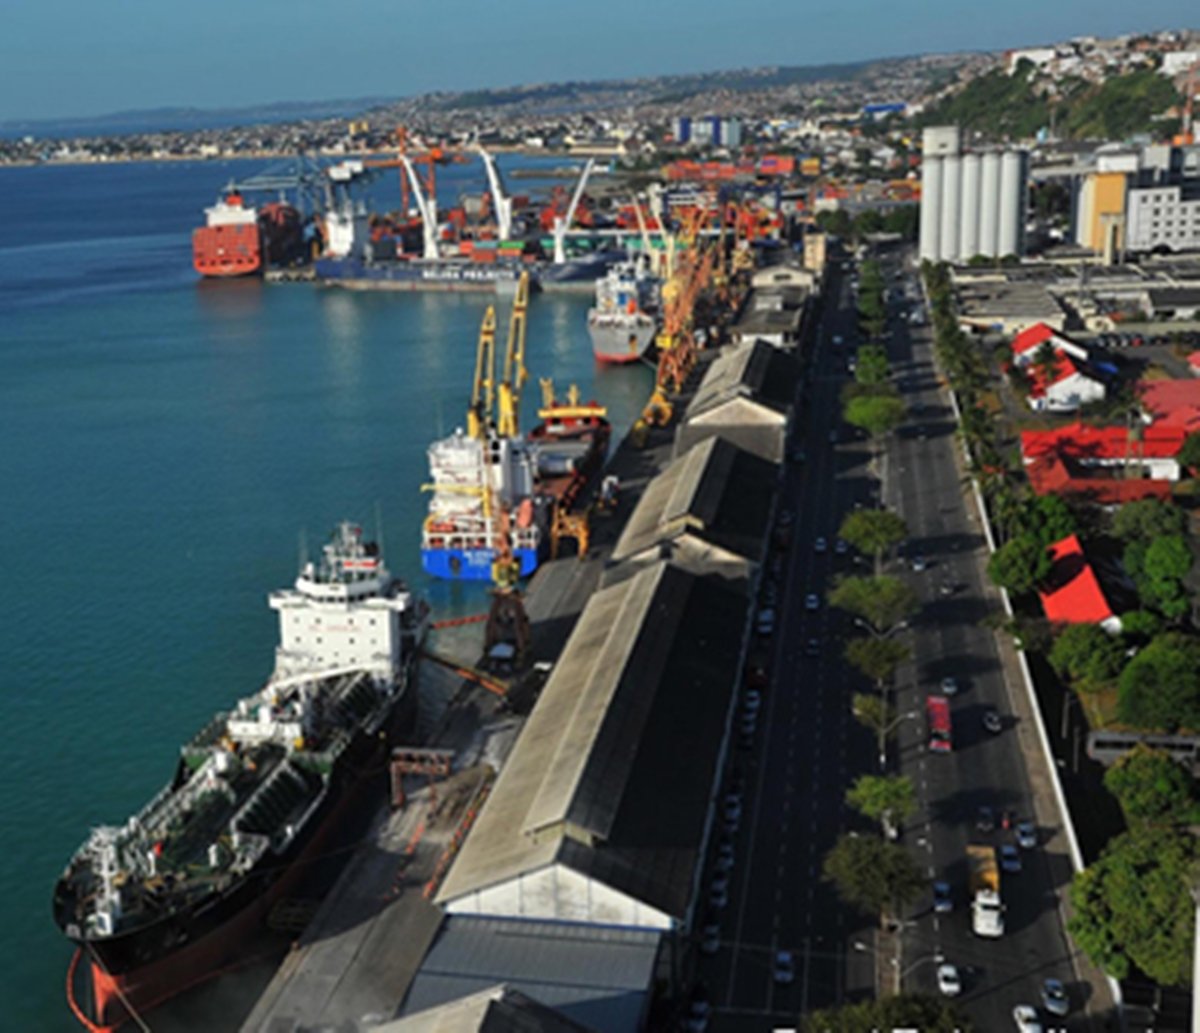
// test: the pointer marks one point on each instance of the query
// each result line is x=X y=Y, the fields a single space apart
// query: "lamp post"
x=886 y=729
x=901 y=973
x=876 y=633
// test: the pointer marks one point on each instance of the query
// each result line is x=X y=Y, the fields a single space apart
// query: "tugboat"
x=623 y=322
x=164 y=901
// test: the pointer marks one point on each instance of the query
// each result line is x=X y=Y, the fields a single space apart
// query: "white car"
x=837 y=340
x=949 y=687
x=812 y=601
x=1026 y=835
x=785 y=968
x=948 y=980
x=1026 y=1018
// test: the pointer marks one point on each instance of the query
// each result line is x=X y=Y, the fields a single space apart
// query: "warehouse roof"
x=594 y=781
x=755 y=370
x=497 y=1009
x=715 y=495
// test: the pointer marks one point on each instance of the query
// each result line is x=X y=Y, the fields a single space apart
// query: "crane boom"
x=508 y=396
x=503 y=203
x=479 y=414
x=427 y=206
x=561 y=225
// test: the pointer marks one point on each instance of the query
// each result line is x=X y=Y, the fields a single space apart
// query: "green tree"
x=877 y=658
x=905 y=1011
x=874 y=714
x=1148 y=519
x=1150 y=786
x=1051 y=519
x=890 y=799
x=1088 y=656
x=1134 y=906
x=883 y=602
x=873 y=876
x=1138 y=627
x=1020 y=565
x=1158 y=567
x=871 y=366
x=878 y=415
x=1160 y=687
x=873 y=532
x=1189 y=452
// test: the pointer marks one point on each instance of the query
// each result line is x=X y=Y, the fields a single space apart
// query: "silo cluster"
x=971 y=203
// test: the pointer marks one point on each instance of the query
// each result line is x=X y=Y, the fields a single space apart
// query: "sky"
x=74 y=58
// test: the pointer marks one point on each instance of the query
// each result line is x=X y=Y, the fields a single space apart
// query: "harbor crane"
x=501 y=202
x=508 y=392
x=479 y=413
x=562 y=223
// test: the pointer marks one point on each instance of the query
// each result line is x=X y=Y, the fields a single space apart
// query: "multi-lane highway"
x=806 y=749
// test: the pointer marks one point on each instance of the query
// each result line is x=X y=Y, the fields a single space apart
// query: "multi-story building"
x=1163 y=219
x=710 y=130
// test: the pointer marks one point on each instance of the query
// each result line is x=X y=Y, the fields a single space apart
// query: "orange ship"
x=237 y=240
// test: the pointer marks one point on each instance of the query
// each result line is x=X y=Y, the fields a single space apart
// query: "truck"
x=987 y=912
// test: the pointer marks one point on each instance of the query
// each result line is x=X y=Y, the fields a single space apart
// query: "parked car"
x=784 y=970
x=820 y=544
x=985 y=819
x=1026 y=835
x=991 y=721
x=949 y=686
x=841 y=547
x=764 y=623
x=710 y=938
x=1026 y=1018
x=812 y=601
x=1010 y=858
x=948 y=980
x=718 y=892
x=724 y=860
x=1054 y=997
x=733 y=810
x=943 y=902
x=918 y=563
x=699 y=1010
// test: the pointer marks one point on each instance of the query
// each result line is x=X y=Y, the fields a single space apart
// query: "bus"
x=937 y=712
x=1108 y=747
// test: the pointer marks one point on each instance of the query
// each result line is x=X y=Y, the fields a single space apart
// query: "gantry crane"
x=480 y=411
x=508 y=393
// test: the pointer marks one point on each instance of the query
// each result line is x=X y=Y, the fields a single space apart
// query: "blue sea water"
x=163 y=444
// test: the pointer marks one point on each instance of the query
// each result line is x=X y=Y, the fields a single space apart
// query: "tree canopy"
x=883 y=796
x=872 y=875
x=1160 y=687
x=1150 y=786
x=1087 y=656
x=1148 y=519
x=883 y=602
x=871 y=365
x=873 y=531
x=878 y=415
x=1134 y=906
x=1158 y=567
x=906 y=1011
x=1189 y=452
x=1050 y=519
x=1020 y=565
x=877 y=658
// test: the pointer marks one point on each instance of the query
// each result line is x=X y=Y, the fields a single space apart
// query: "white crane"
x=503 y=203
x=426 y=206
x=563 y=222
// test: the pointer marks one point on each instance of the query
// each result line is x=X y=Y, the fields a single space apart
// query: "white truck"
x=987 y=912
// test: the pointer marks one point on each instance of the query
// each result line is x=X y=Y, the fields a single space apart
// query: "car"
x=833 y=436
x=710 y=938
x=733 y=809
x=947 y=588
x=718 y=892
x=1054 y=997
x=751 y=701
x=985 y=819
x=943 y=902
x=1026 y=1018
x=698 y=1013
x=820 y=544
x=1026 y=835
x=725 y=855
x=948 y=980
x=991 y=721
x=770 y=595
x=836 y=340
x=764 y=623
x=784 y=969
x=841 y=547
x=786 y=516
x=1010 y=858
x=918 y=563
x=812 y=647
x=949 y=686
x=749 y=724
x=812 y=602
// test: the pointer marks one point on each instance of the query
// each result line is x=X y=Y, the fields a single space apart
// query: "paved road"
x=808 y=748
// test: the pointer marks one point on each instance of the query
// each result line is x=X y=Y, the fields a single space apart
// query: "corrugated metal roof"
x=597 y=976
x=594 y=780
x=715 y=491
x=756 y=370
x=498 y=1009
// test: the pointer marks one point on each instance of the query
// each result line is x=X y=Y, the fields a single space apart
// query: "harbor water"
x=166 y=446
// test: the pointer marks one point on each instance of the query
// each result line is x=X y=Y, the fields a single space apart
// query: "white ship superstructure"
x=623 y=322
x=345 y=612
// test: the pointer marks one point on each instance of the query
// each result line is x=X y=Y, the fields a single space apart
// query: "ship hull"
x=621 y=340
x=146 y=967
x=472 y=564
x=418 y=275
x=227 y=251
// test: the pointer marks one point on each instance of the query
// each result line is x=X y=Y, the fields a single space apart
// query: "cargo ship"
x=571 y=445
x=240 y=240
x=623 y=321
x=165 y=900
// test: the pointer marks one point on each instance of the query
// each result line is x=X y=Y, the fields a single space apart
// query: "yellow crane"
x=479 y=413
x=508 y=394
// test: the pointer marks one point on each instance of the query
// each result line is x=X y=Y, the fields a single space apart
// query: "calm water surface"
x=163 y=445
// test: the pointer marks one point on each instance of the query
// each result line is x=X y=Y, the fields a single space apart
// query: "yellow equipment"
x=479 y=414
x=508 y=395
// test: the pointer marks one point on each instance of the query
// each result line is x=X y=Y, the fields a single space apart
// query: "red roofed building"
x=1028 y=341
x=1172 y=403
x=1103 y=464
x=1066 y=390
x=1073 y=594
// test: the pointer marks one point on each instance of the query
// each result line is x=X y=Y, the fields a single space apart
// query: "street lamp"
x=887 y=730
x=901 y=973
x=876 y=633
